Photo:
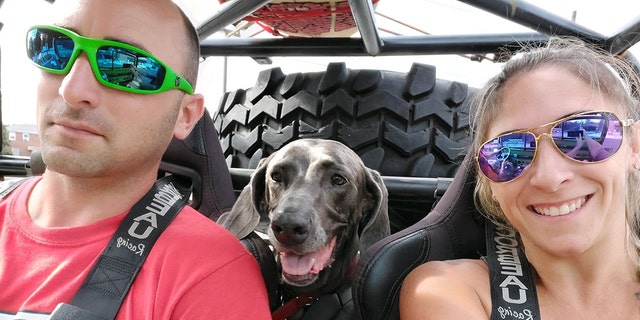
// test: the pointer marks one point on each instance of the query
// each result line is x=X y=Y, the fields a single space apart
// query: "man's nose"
x=80 y=86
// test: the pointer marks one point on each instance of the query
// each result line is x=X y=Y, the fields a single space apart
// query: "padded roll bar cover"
x=201 y=151
x=36 y=164
x=453 y=229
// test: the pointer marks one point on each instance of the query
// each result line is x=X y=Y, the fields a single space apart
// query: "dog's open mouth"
x=302 y=270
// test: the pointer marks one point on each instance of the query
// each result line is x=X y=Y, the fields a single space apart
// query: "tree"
x=6 y=145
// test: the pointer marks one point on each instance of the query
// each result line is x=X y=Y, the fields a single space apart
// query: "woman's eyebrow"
x=542 y=125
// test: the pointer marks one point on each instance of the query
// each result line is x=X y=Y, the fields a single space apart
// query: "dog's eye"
x=276 y=176
x=337 y=179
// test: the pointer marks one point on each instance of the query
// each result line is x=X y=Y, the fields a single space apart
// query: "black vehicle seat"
x=200 y=157
x=453 y=229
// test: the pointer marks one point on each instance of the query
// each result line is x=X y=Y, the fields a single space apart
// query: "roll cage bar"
x=371 y=43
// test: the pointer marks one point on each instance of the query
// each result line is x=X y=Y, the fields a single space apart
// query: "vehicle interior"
x=434 y=217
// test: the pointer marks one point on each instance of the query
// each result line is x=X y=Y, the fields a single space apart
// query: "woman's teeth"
x=561 y=210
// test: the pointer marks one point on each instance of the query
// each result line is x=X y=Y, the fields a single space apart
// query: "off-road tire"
x=411 y=125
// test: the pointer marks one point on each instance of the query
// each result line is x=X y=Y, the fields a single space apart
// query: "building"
x=23 y=139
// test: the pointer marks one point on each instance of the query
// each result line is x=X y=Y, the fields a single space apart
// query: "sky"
x=18 y=76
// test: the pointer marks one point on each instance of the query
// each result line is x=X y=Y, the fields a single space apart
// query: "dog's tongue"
x=312 y=262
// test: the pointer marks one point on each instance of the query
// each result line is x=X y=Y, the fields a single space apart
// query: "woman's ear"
x=191 y=110
x=493 y=195
x=635 y=147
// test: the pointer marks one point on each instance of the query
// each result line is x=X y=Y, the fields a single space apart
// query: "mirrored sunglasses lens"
x=129 y=69
x=589 y=137
x=48 y=48
x=506 y=157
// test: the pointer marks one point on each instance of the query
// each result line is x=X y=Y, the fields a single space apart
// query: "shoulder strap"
x=513 y=292
x=7 y=186
x=106 y=286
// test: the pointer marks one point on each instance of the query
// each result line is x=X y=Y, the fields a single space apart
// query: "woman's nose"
x=550 y=168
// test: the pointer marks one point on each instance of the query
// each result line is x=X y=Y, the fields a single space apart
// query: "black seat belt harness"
x=513 y=291
x=108 y=283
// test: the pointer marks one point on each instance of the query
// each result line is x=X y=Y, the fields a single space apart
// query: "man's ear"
x=191 y=110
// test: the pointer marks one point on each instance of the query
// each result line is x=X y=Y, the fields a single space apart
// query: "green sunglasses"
x=115 y=64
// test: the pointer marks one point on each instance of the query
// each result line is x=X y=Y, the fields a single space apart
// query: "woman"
x=577 y=219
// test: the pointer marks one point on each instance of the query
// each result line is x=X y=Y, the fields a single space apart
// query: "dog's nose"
x=290 y=229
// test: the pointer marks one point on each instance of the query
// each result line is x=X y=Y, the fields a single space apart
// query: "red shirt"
x=196 y=270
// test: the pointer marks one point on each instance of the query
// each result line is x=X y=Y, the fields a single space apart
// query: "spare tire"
x=411 y=125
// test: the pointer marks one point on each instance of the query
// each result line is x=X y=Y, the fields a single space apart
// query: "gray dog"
x=324 y=208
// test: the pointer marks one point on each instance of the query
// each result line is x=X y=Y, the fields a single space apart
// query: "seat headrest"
x=200 y=157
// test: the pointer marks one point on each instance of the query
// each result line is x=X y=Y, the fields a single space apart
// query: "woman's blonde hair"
x=609 y=76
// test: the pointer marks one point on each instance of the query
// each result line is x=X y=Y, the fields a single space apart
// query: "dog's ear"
x=245 y=213
x=375 y=222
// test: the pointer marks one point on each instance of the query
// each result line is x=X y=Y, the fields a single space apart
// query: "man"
x=103 y=135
